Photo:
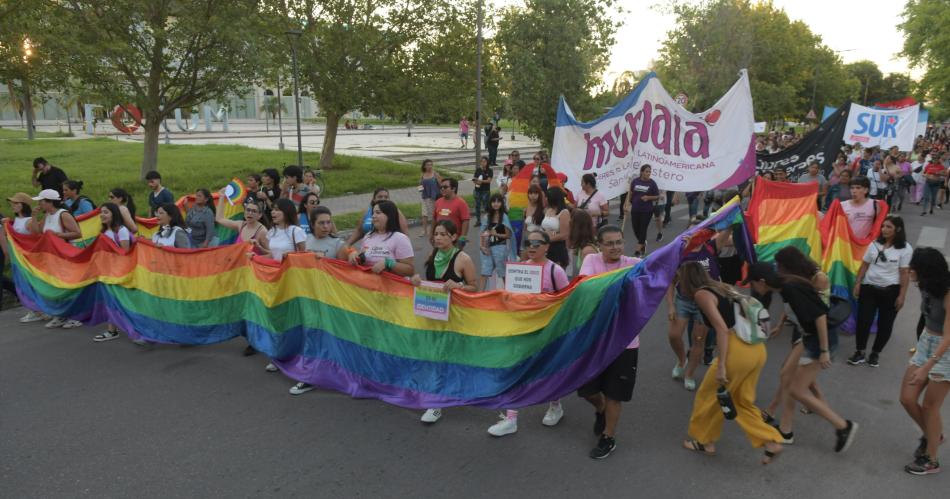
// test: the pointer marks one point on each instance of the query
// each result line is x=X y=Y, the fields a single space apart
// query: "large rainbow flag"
x=90 y=226
x=783 y=214
x=341 y=327
x=518 y=194
x=843 y=252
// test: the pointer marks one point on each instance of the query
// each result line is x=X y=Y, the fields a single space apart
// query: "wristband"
x=823 y=350
x=390 y=263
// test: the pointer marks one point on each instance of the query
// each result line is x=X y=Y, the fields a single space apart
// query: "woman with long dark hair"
x=309 y=201
x=881 y=286
x=736 y=369
x=583 y=240
x=171 y=230
x=495 y=240
x=76 y=203
x=929 y=371
x=364 y=228
x=200 y=220
x=114 y=231
x=285 y=236
x=387 y=247
x=126 y=206
x=557 y=224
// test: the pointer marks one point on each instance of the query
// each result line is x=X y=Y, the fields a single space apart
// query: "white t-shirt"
x=886 y=273
x=282 y=241
x=54 y=221
x=20 y=225
x=378 y=247
x=117 y=238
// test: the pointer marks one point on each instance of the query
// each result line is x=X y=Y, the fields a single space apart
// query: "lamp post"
x=478 y=86
x=295 y=33
x=280 y=122
x=27 y=99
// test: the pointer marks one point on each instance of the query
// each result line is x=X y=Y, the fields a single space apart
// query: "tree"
x=895 y=86
x=25 y=62
x=926 y=30
x=159 y=55
x=553 y=49
x=349 y=52
x=790 y=70
x=870 y=78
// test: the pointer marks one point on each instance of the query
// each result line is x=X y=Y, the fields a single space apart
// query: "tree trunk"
x=152 y=127
x=329 y=141
x=28 y=106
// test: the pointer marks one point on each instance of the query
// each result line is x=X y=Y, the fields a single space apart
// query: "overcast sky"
x=860 y=29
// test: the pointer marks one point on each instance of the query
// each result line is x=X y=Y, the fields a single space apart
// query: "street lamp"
x=27 y=100
x=280 y=122
x=295 y=33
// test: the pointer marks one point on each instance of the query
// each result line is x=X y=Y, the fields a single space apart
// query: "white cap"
x=47 y=194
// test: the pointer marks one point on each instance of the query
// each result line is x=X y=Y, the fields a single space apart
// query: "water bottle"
x=725 y=403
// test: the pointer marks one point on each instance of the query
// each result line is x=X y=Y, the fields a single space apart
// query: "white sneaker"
x=301 y=388
x=271 y=368
x=32 y=317
x=431 y=416
x=554 y=414
x=71 y=324
x=504 y=427
x=55 y=323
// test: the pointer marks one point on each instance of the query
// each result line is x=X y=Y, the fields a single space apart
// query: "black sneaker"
x=921 y=448
x=857 y=358
x=659 y=236
x=605 y=446
x=923 y=465
x=873 y=360
x=845 y=437
x=787 y=438
x=600 y=422
x=707 y=356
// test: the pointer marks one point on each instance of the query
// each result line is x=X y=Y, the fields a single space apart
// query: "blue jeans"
x=931 y=189
x=481 y=203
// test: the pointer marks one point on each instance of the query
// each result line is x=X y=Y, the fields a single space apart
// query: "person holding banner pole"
x=452 y=267
x=553 y=279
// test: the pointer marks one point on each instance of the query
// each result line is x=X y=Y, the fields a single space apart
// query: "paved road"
x=79 y=419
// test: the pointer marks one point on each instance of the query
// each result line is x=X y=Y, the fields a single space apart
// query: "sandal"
x=696 y=446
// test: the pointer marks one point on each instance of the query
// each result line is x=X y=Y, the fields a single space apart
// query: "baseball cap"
x=761 y=270
x=20 y=197
x=47 y=194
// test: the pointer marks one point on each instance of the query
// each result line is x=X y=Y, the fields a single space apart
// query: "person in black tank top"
x=451 y=266
x=736 y=369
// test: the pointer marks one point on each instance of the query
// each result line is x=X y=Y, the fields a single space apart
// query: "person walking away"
x=429 y=190
x=494 y=137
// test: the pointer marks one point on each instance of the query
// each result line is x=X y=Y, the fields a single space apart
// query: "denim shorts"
x=926 y=346
x=495 y=261
x=686 y=308
x=813 y=348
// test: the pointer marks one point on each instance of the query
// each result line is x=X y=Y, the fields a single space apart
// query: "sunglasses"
x=534 y=243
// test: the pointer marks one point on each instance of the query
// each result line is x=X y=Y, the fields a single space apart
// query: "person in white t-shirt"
x=861 y=210
x=114 y=231
x=285 y=236
x=22 y=214
x=881 y=287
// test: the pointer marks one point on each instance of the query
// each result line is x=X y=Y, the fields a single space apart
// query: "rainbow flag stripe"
x=340 y=327
x=783 y=214
x=90 y=226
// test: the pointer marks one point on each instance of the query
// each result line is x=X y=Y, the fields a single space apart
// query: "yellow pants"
x=743 y=366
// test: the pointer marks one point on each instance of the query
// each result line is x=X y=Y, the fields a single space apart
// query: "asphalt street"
x=82 y=419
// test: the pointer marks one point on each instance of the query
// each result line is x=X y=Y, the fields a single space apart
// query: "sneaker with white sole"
x=55 y=322
x=301 y=388
x=270 y=367
x=553 y=415
x=844 y=438
x=70 y=324
x=689 y=384
x=506 y=426
x=431 y=416
x=678 y=371
x=33 y=317
x=106 y=336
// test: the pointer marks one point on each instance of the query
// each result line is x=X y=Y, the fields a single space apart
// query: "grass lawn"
x=103 y=164
x=17 y=133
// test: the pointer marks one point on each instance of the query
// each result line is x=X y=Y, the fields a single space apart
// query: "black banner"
x=821 y=144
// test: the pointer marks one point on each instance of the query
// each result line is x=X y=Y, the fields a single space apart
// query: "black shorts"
x=617 y=381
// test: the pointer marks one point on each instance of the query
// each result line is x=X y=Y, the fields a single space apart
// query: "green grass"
x=103 y=164
x=15 y=133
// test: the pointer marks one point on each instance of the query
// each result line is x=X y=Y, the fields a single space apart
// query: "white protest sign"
x=882 y=127
x=523 y=277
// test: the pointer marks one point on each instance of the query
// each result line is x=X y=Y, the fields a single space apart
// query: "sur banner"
x=688 y=151
x=882 y=127
x=821 y=144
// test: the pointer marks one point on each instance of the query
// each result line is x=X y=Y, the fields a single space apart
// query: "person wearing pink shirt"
x=615 y=385
x=463 y=132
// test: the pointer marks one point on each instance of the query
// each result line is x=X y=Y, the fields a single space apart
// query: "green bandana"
x=441 y=261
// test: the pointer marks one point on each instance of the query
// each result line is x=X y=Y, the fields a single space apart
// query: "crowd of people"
x=572 y=236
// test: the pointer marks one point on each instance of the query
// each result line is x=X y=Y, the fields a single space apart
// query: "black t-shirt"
x=726 y=310
x=486 y=174
x=495 y=240
x=805 y=302
x=52 y=179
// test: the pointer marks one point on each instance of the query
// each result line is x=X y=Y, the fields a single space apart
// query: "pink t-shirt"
x=378 y=247
x=560 y=278
x=594 y=264
x=860 y=218
x=593 y=207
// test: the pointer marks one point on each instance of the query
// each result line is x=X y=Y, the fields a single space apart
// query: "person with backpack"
x=818 y=343
x=553 y=279
x=734 y=374
x=76 y=203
